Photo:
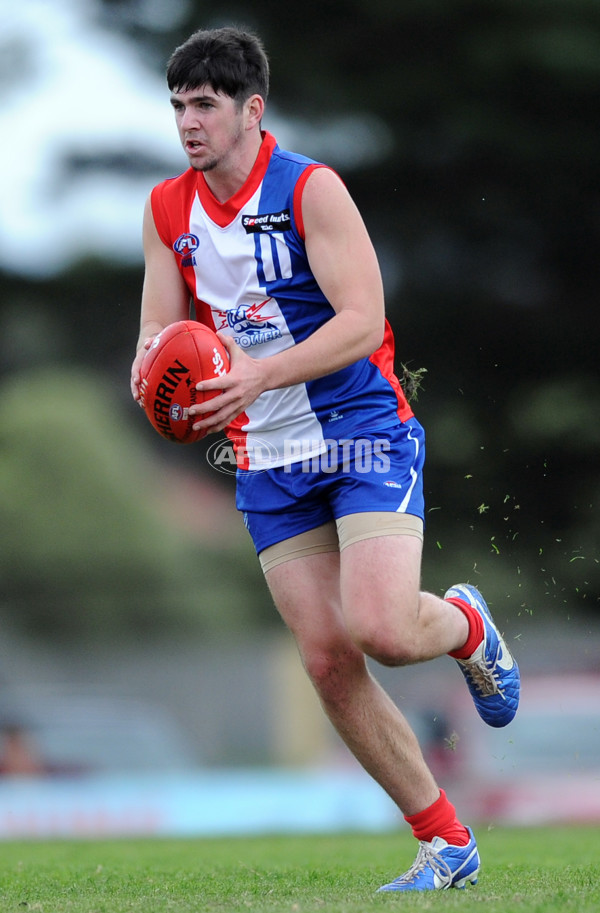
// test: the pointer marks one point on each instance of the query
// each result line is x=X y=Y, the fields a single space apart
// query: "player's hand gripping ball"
x=182 y=355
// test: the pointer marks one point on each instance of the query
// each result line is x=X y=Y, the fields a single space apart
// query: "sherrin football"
x=181 y=355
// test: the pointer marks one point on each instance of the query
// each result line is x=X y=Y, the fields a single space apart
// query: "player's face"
x=210 y=126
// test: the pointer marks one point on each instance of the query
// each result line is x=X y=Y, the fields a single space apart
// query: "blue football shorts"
x=376 y=472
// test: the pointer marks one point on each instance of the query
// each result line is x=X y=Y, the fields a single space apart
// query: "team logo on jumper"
x=185 y=245
x=250 y=324
x=269 y=221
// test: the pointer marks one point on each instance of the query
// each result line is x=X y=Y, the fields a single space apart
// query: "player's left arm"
x=344 y=263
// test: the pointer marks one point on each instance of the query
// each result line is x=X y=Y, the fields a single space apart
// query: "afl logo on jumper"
x=185 y=245
x=269 y=221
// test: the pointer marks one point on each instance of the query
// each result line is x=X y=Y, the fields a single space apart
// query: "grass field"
x=522 y=870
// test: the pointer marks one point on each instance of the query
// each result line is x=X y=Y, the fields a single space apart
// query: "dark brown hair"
x=230 y=60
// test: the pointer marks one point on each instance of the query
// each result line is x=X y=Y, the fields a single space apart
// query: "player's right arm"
x=165 y=296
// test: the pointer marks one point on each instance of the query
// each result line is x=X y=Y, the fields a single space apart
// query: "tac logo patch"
x=267 y=222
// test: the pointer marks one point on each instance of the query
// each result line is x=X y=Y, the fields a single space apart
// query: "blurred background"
x=146 y=683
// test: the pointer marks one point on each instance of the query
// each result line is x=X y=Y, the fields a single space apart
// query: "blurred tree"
x=89 y=546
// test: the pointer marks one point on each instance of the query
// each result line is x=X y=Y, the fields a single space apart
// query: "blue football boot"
x=439 y=866
x=491 y=672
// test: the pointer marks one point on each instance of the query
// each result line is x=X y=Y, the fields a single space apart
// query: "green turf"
x=523 y=871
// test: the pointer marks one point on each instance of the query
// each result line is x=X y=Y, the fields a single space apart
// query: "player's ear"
x=255 y=108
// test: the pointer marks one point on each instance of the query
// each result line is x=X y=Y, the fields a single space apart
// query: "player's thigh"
x=380 y=580
x=306 y=592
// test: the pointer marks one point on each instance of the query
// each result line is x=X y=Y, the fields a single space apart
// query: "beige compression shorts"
x=336 y=536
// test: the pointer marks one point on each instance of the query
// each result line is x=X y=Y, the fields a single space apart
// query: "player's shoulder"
x=294 y=162
x=322 y=185
x=295 y=158
x=179 y=183
x=310 y=180
x=303 y=167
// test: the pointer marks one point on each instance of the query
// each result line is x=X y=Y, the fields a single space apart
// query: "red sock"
x=476 y=630
x=439 y=820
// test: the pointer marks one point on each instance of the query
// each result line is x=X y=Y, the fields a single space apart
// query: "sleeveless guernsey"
x=244 y=262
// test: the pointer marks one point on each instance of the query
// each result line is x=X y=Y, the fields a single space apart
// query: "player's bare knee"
x=333 y=672
x=386 y=647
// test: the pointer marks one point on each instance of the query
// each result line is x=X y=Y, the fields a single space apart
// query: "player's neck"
x=227 y=178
